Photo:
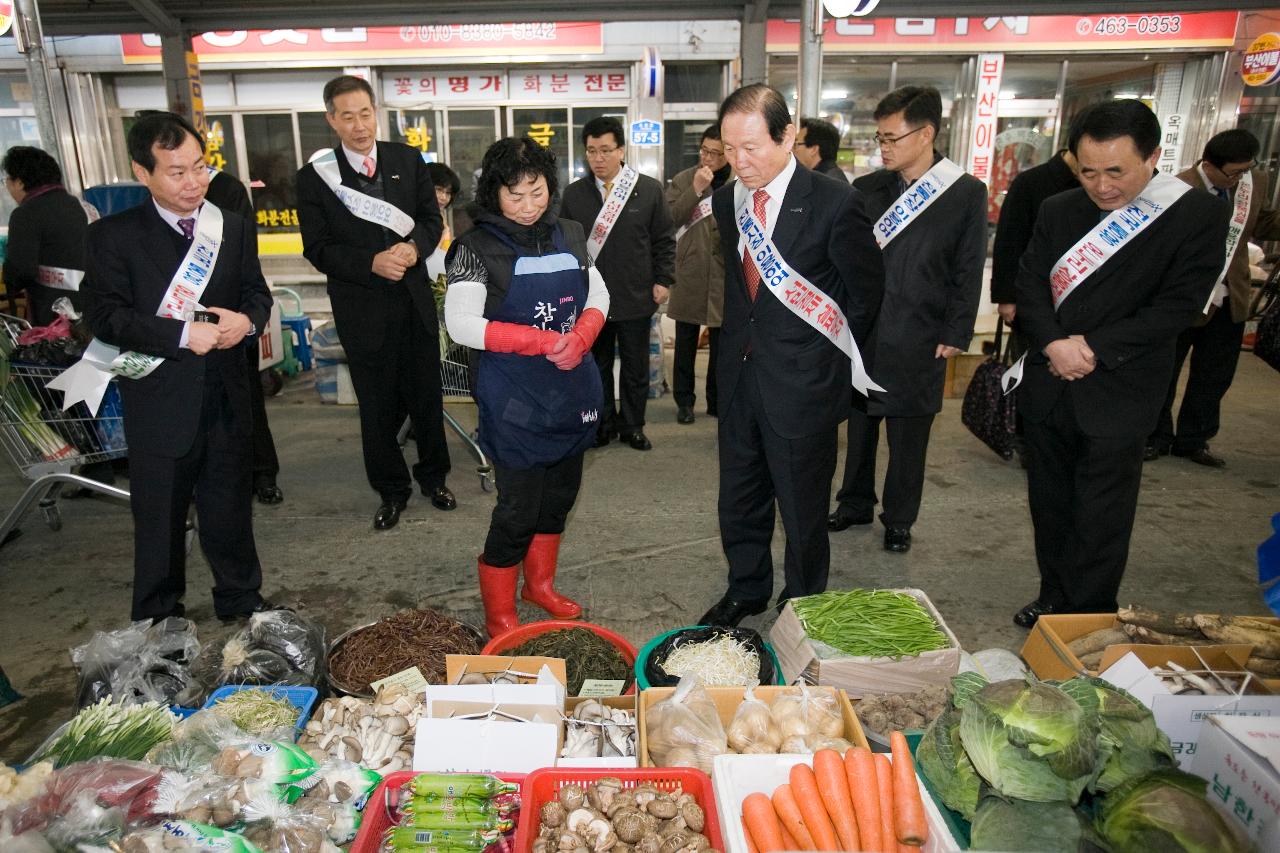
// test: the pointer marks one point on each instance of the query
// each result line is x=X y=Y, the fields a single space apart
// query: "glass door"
x=273 y=163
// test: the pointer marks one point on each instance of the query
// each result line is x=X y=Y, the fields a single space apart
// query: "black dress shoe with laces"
x=839 y=520
x=443 y=499
x=388 y=515
x=897 y=539
x=261 y=607
x=1202 y=456
x=729 y=612
x=684 y=415
x=1027 y=616
x=267 y=492
x=638 y=441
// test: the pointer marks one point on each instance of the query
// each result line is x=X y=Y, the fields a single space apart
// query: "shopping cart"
x=45 y=443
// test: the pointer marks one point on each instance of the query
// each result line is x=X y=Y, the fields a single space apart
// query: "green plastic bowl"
x=643 y=658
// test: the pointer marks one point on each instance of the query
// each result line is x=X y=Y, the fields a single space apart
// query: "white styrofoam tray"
x=737 y=776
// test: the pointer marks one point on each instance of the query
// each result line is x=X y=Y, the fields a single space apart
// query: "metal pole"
x=30 y=39
x=809 y=90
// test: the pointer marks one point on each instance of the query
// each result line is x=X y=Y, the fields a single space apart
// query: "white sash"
x=87 y=379
x=623 y=184
x=701 y=212
x=59 y=278
x=803 y=299
x=916 y=200
x=366 y=207
x=1239 y=217
x=1101 y=243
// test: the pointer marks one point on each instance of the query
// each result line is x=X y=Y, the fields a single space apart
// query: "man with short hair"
x=817 y=144
x=1114 y=272
x=698 y=297
x=803 y=281
x=929 y=218
x=1229 y=170
x=369 y=213
x=187 y=408
x=632 y=242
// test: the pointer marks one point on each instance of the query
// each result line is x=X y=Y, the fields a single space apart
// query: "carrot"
x=909 y=822
x=762 y=822
x=788 y=840
x=746 y=833
x=833 y=786
x=784 y=803
x=884 y=781
x=804 y=787
x=864 y=790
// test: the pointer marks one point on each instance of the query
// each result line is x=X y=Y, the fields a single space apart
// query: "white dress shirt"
x=357 y=160
x=172 y=218
x=777 y=189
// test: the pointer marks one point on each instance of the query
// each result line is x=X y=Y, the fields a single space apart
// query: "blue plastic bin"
x=302 y=698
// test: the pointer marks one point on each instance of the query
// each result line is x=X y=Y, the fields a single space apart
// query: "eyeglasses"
x=592 y=153
x=710 y=152
x=890 y=141
x=1235 y=173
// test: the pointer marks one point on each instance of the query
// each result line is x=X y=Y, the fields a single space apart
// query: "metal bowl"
x=363 y=691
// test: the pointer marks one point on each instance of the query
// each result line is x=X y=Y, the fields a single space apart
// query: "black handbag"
x=1266 y=344
x=987 y=411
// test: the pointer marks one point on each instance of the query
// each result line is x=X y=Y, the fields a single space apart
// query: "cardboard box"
x=1240 y=758
x=1181 y=717
x=860 y=676
x=727 y=700
x=456 y=666
x=1046 y=649
x=446 y=744
x=627 y=703
x=960 y=370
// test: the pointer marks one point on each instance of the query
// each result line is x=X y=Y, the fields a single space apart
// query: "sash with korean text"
x=802 y=298
x=59 y=278
x=623 y=184
x=1101 y=244
x=701 y=212
x=916 y=200
x=1239 y=217
x=87 y=379
x=363 y=206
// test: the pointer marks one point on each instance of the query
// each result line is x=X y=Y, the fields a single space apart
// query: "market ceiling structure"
x=90 y=17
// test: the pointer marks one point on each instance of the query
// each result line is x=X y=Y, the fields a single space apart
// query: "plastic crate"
x=302 y=698
x=541 y=785
x=526 y=632
x=377 y=819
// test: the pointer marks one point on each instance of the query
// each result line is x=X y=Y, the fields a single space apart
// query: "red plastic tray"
x=528 y=631
x=541 y=785
x=376 y=820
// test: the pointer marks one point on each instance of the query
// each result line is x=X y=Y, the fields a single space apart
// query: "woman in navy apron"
x=523 y=291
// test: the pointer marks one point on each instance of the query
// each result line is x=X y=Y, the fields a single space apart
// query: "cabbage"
x=1030 y=740
x=1166 y=811
x=941 y=758
x=1002 y=824
x=1131 y=744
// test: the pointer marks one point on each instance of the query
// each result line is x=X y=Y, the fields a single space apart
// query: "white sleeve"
x=597 y=293
x=464 y=300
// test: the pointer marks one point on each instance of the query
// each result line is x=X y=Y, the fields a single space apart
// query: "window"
x=272 y=167
x=693 y=82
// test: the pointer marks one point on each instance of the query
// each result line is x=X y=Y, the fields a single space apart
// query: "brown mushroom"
x=553 y=813
x=692 y=814
x=624 y=801
x=542 y=845
x=649 y=843
x=662 y=807
x=629 y=824
x=572 y=797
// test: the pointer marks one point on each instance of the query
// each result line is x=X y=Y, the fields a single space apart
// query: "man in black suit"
x=817 y=144
x=784 y=384
x=1115 y=270
x=187 y=416
x=368 y=213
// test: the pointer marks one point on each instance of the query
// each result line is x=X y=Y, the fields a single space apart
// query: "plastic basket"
x=302 y=698
x=376 y=819
x=523 y=633
x=642 y=659
x=541 y=785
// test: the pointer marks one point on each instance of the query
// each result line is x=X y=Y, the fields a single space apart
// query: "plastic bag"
x=138 y=663
x=277 y=828
x=284 y=765
x=753 y=730
x=805 y=717
x=172 y=835
x=339 y=797
x=198 y=739
x=208 y=798
x=276 y=647
x=108 y=782
x=685 y=730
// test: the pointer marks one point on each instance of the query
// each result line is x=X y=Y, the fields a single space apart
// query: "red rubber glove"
x=571 y=347
x=517 y=338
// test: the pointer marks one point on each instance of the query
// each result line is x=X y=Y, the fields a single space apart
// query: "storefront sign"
x=578 y=85
x=646 y=134
x=412 y=88
x=1014 y=33
x=1261 y=63
x=6 y=16
x=985 y=105
x=361 y=43
x=1171 y=143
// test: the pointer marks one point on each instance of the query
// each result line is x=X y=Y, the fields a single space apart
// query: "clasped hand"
x=392 y=263
x=1070 y=358
x=228 y=332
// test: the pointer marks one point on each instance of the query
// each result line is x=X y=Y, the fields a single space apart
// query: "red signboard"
x=362 y=43
x=1015 y=33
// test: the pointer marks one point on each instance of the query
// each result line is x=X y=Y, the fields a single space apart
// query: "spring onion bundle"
x=257 y=712
x=720 y=662
x=114 y=731
x=19 y=408
x=869 y=623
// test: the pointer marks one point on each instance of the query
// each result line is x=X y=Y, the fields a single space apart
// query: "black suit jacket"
x=341 y=245
x=1130 y=311
x=823 y=233
x=132 y=258
x=47 y=229
x=1018 y=218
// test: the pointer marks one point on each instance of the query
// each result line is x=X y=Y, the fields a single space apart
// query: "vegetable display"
x=720 y=662
x=276 y=647
x=257 y=712
x=104 y=729
x=869 y=623
x=586 y=655
x=606 y=816
x=594 y=730
x=901 y=711
x=375 y=734
x=420 y=638
x=451 y=813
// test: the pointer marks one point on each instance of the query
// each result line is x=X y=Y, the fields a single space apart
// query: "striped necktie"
x=749 y=272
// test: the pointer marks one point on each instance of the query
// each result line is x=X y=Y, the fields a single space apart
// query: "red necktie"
x=369 y=167
x=749 y=272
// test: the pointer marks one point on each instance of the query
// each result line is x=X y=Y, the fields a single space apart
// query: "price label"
x=601 y=687
x=411 y=679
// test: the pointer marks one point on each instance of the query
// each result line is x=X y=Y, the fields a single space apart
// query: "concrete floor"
x=642 y=551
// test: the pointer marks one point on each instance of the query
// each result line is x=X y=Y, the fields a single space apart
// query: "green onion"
x=870 y=623
x=257 y=712
x=114 y=731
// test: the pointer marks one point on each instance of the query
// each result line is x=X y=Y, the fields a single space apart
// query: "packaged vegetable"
x=277 y=828
x=753 y=729
x=16 y=788
x=475 y=786
x=172 y=835
x=107 y=730
x=198 y=739
x=279 y=763
x=340 y=796
x=806 y=716
x=409 y=838
x=139 y=663
x=685 y=730
x=276 y=647
x=127 y=786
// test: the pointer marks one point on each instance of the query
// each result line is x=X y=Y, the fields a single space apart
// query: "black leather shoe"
x=261 y=607
x=838 y=520
x=1202 y=456
x=603 y=437
x=729 y=613
x=388 y=515
x=268 y=492
x=443 y=499
x=713 y=411
x=684 y=415
x=1027 y=616
x=897 y=539
x=1150 y=453
x=638 y=441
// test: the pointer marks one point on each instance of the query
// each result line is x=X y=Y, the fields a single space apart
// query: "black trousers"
x=404 y=376
x=1083 y=493
x=683 y=381
x=1215 y=351
x=530 y=501
x=632 y=339
x=757 y=468
x=265 y=463
x=903 y=481
x=217 y=470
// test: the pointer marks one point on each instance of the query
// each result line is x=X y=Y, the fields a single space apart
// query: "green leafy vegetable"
x=941 y=758
x=1166 y=811
x=114 y=731
x=1130 y=742
x=1001 y=824
x=869 y=623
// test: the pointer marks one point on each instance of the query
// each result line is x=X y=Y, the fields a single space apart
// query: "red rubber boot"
x=540 y=574
x=498 y=592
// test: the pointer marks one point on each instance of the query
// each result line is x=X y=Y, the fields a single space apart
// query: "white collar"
x=614 y=180
x=172 y=218
x=357 y=160
x=1208 y=184
x=776 y=188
